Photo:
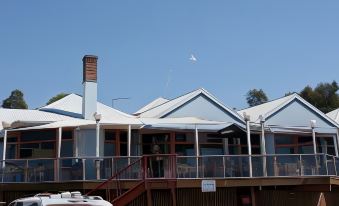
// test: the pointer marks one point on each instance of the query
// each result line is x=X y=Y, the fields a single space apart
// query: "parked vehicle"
x=62 y=199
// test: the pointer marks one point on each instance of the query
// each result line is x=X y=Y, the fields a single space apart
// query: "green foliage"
x=15 y=101
x=56 y=98
x=324 y=96
x=255 y=97
x=288 y=93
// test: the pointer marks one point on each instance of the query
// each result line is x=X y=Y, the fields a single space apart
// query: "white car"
x=62 y=199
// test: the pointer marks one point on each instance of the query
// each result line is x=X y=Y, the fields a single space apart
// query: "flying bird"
x=192 y=58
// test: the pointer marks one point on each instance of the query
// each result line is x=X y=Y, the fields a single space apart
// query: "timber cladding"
x=194 y=196
x=189 y=197
x=290 y=198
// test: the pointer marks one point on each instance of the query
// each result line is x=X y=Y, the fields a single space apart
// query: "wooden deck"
x=261 y=186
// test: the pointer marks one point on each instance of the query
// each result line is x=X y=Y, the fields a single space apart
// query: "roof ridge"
x=116 y=110
x=315 y=109
x=270 y=101
x=293 y=96
x=169 y=100
x=151 y=104
x=235 y=113
x=180 y=102
x=59 y=100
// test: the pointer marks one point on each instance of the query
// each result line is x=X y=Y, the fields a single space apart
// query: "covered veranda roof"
x=154 y=123
x=236 y=128
x=301 y=129
x=183 y=123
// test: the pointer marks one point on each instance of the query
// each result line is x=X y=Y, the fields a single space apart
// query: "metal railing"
x=168 y=166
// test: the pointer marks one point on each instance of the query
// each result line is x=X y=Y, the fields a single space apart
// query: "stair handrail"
x=116 y=175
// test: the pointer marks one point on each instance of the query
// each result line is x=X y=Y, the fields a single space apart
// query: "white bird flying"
x=192 y=58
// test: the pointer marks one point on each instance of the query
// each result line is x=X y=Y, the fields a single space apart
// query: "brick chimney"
x=89 y=82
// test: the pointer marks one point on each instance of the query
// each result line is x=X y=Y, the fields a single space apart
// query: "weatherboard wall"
x=297 y=114
x=203 y=108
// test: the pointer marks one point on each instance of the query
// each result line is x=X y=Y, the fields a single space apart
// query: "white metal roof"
x=182 y=123
x=178 y=123
x=25 y=115
x=65 y=123
x=269 y=108
x=167 y=107
x=334 y=115
x=158 y=101
x=265 y=108
x=179 y=120
x=300 y=129
x=72 y=105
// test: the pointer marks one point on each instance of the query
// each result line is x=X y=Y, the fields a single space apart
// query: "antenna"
x=168 y=81
x=117 y=99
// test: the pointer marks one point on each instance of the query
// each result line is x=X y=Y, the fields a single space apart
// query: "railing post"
x=250 y=165
x=301 y=166
x=83 y=169
x=197 y=166
x=26 y=171
x=317 y=164
x=97 y=167
x=145 y=170
x=249 y=146
x=197 y=152
x=176 y=167
x=325 y=158
x=112 y=168
x=224 y=165
x=335 y=166
x=57 y=169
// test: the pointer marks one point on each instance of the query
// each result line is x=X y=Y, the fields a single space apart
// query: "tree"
x=324 y=96
x=56 y=98
x=15 y=101
x=255 y=97
x=289 y=93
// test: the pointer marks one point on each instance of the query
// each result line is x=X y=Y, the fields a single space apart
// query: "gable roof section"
x=72 y=105
x=166 y=108
x=334 y=115
x=265 y=108
x=152 y=104
x=268 y=109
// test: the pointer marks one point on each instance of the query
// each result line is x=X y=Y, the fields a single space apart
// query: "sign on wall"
x=208 y=186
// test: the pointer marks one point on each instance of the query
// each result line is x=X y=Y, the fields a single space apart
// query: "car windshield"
x=27 y=204
x=70 y=204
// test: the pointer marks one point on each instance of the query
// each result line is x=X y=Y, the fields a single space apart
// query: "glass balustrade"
x=172 y=166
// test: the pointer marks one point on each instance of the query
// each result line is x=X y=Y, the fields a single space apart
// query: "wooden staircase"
x=150 y=172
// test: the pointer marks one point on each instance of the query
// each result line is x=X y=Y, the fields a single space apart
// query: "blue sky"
x=279 y=46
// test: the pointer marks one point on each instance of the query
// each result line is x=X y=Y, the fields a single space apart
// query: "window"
x=11 y=151
x=67 y=143
x=37 y=144
x=293 y=144
x=210 y=144
x=110 y=143
x=184 y=149
x=27 y=204
x=123 y=143
x=43 y=135
x=184 y=144
x=160 y=141
x=325 y=145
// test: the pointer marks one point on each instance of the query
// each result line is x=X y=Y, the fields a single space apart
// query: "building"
x=284 y=151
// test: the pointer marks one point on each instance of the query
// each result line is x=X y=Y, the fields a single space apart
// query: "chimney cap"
x=90 y=56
